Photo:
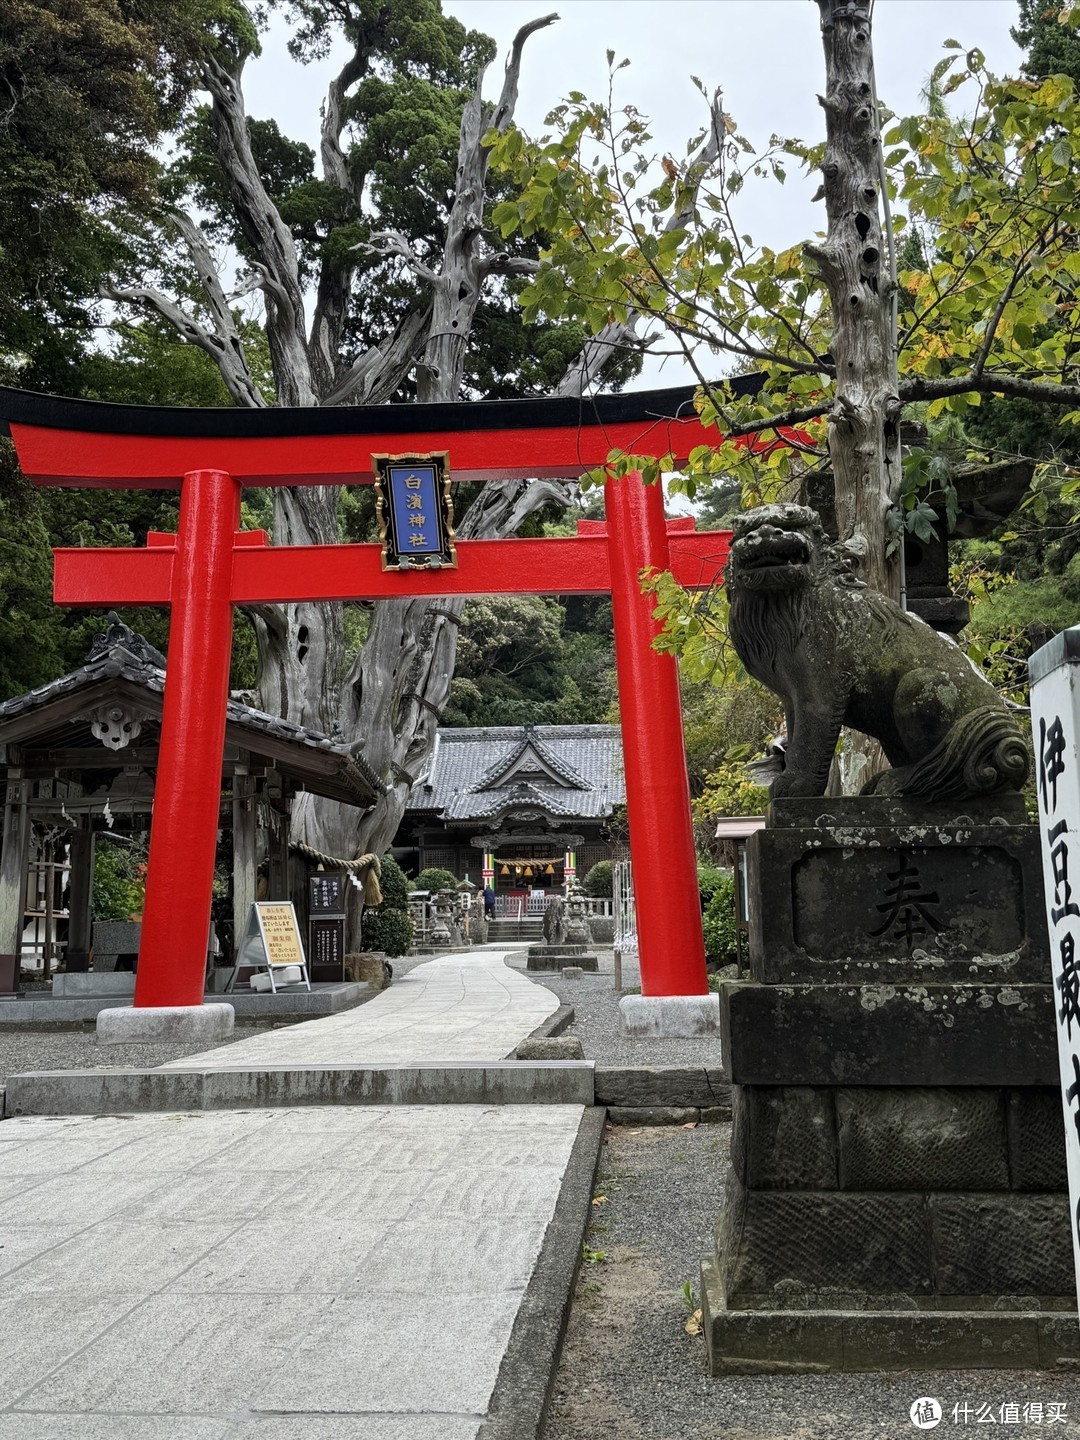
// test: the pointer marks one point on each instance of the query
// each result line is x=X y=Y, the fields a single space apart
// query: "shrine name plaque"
x=326 y=893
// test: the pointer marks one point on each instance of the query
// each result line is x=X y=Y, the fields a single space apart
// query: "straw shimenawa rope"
x=368 y=867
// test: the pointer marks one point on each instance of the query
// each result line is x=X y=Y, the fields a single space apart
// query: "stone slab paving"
x=322 y=1274
x=470 y=1006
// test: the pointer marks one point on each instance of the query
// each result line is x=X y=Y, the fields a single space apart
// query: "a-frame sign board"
x=210 y=565
x=271 y=942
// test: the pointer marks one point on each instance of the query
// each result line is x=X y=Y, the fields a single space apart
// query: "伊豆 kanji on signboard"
x=415 y=511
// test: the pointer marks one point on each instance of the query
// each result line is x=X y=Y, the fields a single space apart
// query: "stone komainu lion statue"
x=839 y=654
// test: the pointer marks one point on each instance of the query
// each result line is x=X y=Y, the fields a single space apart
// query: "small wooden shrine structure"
x=81 y=753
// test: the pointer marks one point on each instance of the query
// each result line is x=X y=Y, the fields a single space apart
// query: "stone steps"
x=519 y=931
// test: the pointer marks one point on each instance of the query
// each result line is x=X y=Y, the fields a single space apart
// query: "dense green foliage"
x=88 y=87
x=721 y=942
x=599 y=882
x=394 y=884
x=532 y=659
x=709 y=880
x=388 y=927
x=434 y=879
x=390 y=931
x=118 y=886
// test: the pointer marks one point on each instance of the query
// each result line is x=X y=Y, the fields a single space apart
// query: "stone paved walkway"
x=318 y=1274
x=459 y=1007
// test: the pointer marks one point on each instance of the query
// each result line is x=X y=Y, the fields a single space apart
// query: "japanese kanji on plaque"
x=1055 y=718
x=415 y=511
x=272 y=942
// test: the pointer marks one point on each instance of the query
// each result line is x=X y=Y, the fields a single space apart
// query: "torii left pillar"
x=183 y=834
x=662 y=853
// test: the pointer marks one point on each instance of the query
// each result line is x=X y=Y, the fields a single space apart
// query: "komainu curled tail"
x=981 y=754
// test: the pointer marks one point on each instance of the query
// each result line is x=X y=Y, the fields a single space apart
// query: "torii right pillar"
x=674 y=997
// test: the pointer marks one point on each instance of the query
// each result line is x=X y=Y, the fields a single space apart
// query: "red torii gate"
x=210 y=565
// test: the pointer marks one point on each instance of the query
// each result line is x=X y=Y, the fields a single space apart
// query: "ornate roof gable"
x=529 y=761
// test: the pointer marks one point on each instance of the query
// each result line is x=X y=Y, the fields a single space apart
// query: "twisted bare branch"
x=504 y=111
x=586 y=371
x=392 y=244
x=374 y=377
x=226 y=355
x=515 y=267
x=335 y=170
x=270 y=239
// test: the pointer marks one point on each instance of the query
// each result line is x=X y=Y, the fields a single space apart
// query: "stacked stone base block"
x=897 y=1190
x=755 y=1342
x=558 y=957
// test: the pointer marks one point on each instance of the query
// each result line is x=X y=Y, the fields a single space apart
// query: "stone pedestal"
x=206 y=1024
x=897 y=1191
x=675 y=1016
x=557 y=957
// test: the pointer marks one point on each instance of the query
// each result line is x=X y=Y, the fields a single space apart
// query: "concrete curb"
x=663 y=1095
x=522 y=1393
x=223 y=1087
x=555 y=1024
x=70 y=1012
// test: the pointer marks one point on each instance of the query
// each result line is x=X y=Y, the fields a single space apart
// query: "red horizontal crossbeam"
x=154 y=462
x=265 y=574
x=87 y=443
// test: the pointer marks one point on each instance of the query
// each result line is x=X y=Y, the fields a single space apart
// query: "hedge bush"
x=434 y=879
x=394 y=885
x=388 y=927
x=390 y=931
x=721 y=942
x=709 y=878
x=600 y=882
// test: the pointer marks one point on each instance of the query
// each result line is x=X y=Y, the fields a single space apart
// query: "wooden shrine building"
x=520 y=804
x=81 y=752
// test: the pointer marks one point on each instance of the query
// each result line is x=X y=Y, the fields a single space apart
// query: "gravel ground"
x=596 y=1018
x=630 y=1371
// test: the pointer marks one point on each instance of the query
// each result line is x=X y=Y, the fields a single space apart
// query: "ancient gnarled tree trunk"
x=864 y=444
x=387 y=703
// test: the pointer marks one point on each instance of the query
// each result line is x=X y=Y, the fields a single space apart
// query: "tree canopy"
x=980 y=220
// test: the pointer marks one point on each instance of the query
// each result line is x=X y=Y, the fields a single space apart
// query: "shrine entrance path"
x=369 y=1272
x=469 y=1006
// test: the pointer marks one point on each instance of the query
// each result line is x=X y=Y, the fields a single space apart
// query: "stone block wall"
x=897 y=1192
x=874 y=1196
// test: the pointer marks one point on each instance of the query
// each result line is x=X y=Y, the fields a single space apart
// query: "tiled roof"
x=465 y=763
x=123 y=663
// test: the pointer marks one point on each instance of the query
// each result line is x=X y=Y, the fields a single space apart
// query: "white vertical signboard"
x=1055 y=725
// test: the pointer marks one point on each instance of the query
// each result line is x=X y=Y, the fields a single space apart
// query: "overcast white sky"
x=764 y=54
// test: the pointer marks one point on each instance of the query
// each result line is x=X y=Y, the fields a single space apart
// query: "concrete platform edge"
x=73 y=1011
x=523 y=1389
x=113 y=1092
x=784 y=1342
